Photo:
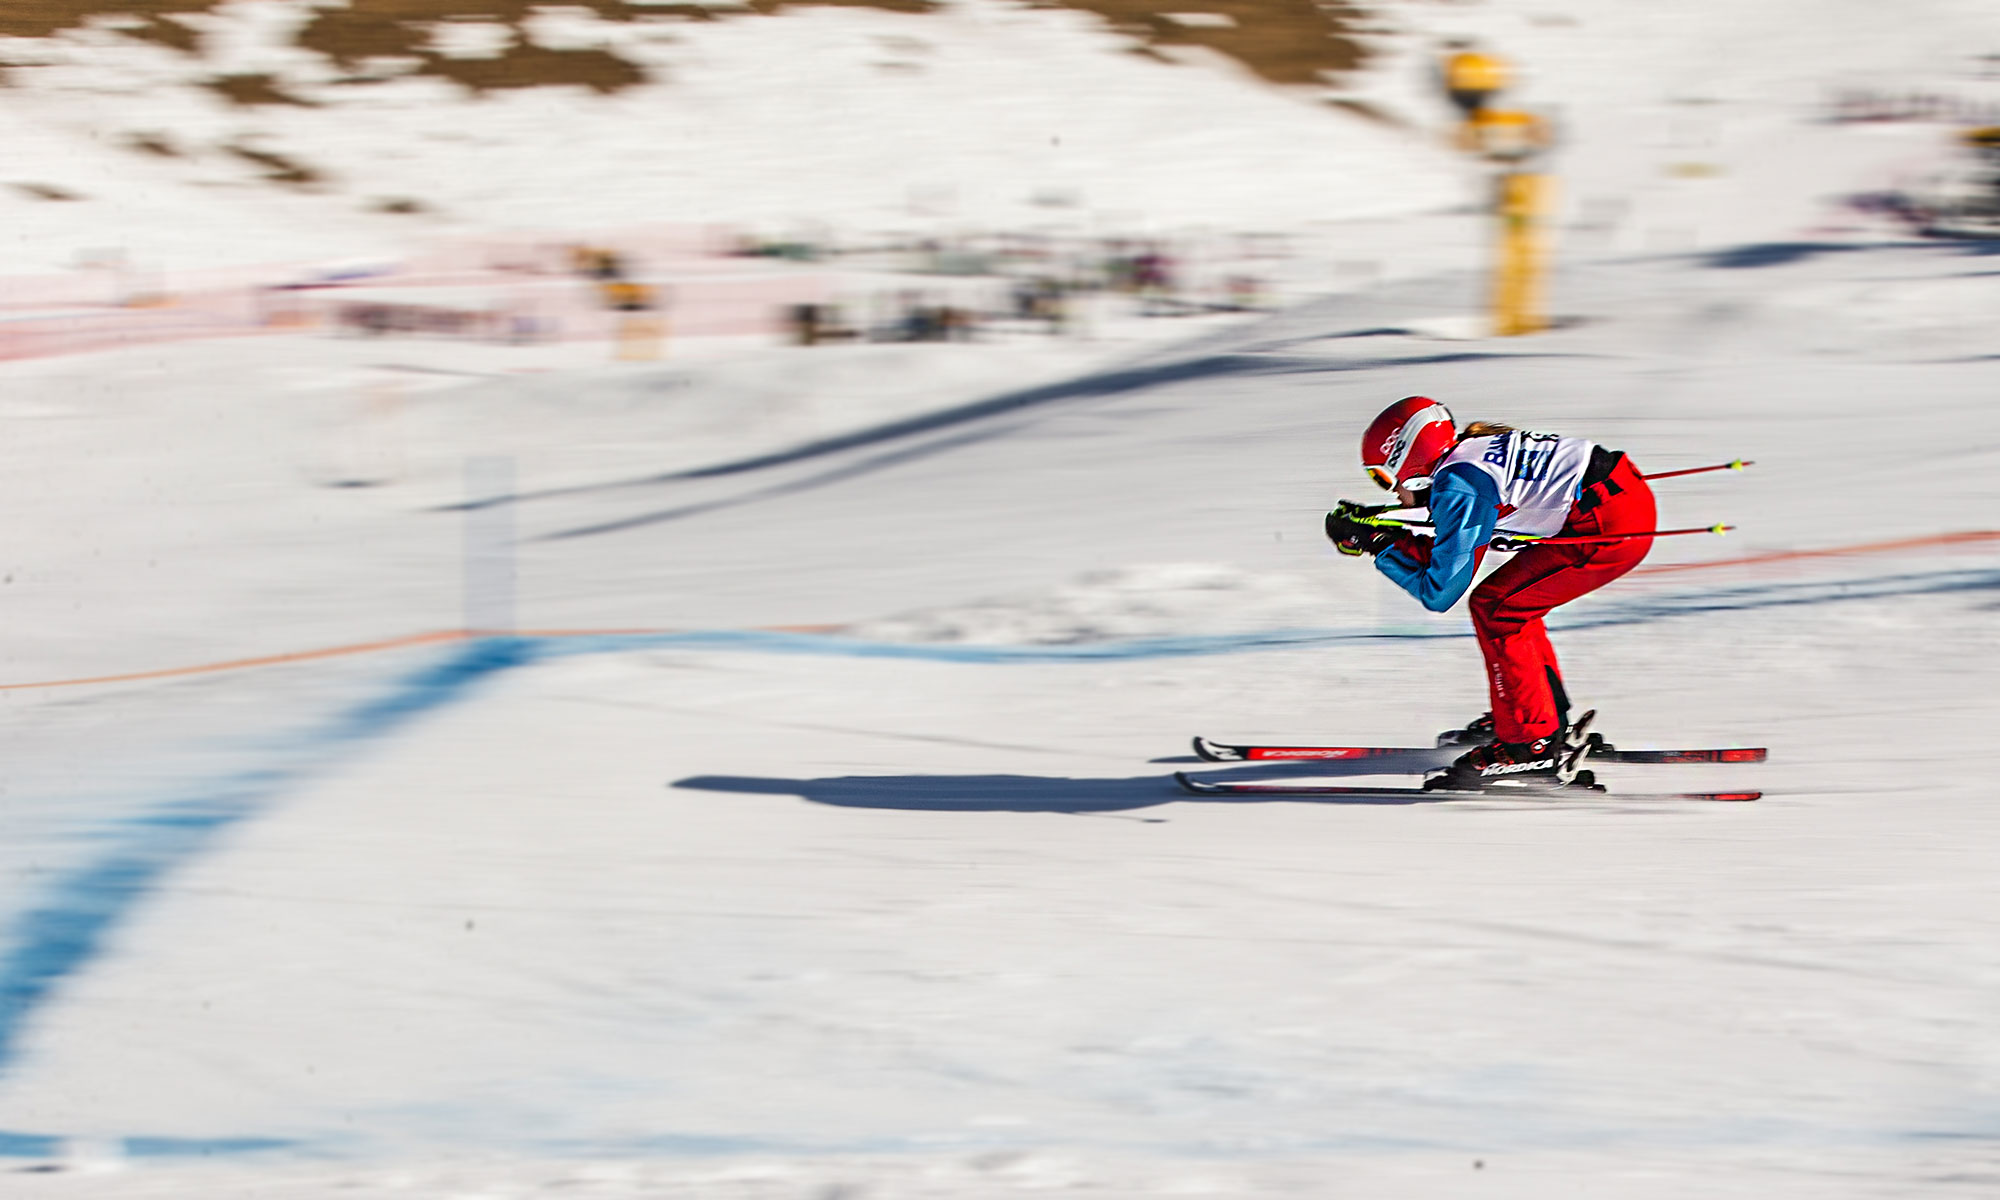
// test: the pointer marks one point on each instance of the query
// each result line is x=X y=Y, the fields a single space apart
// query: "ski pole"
x=1738 y=465
x=1378 y=514
x=1517 y=541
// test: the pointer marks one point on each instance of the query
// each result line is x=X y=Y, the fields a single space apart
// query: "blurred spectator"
x=1041 y=300
x=594 y=262
x=816 y=324
x=1153 y=280
x=524 y=328
x=623 y=295
x=805 y=324
x=1245 y=293
x=924 y=320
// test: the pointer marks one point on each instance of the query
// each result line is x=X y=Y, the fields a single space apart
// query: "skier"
x=1490 y=479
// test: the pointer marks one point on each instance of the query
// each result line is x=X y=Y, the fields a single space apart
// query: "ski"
x=1201 y=787
x=1605 y=752
x=1421 y=757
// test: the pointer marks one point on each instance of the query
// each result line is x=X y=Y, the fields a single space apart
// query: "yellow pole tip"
x=1719 y=530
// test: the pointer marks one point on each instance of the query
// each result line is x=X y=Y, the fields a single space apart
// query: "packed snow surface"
x=814 y=833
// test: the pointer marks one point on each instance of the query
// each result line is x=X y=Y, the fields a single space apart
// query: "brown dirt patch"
x=40 y=18
x=45 y=191
x=251 y=91
x=1283 y=41
x=169 y=33
x=155 y=144
x=526 y=65
x=278 y=168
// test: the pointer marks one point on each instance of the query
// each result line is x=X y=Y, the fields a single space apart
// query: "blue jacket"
x=1465 y=507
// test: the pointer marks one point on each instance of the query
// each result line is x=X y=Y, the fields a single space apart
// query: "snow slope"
x=673 y=915
x=668 y=897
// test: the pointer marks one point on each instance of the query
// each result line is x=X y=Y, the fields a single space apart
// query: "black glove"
x=1351 y=536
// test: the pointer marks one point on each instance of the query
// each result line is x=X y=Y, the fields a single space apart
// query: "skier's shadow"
x=1037 y=793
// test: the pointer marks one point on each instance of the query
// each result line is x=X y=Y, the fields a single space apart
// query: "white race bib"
x=1538 y=476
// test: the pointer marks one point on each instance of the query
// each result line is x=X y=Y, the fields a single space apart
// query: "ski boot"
x=1477 y=732
x=1550 y=762
x=1512 y=764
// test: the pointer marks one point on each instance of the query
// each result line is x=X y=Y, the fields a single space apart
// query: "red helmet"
x=1406 y=441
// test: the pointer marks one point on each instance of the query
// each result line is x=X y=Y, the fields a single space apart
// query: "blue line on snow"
x=49 y=942
x=1638 y=611
x=83 y=908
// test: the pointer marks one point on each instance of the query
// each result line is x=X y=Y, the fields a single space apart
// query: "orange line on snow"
x=583 y=633
x=399 y=643
x=238 y=664
x=1916 y=543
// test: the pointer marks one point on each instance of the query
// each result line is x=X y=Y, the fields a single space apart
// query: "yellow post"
x=1512 y=140
x=1517 y=278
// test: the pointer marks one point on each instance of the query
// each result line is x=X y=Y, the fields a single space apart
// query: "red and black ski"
x=1247 y=788
x=1424 y=757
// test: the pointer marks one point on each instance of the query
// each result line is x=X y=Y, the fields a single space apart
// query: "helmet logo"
x=1398 y=448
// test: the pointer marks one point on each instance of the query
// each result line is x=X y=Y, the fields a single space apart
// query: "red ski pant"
x=1508 y=606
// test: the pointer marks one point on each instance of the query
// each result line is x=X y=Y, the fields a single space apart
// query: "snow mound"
x=1159 y=600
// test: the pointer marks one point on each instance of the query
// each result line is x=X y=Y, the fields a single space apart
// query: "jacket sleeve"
x=1465 y=506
